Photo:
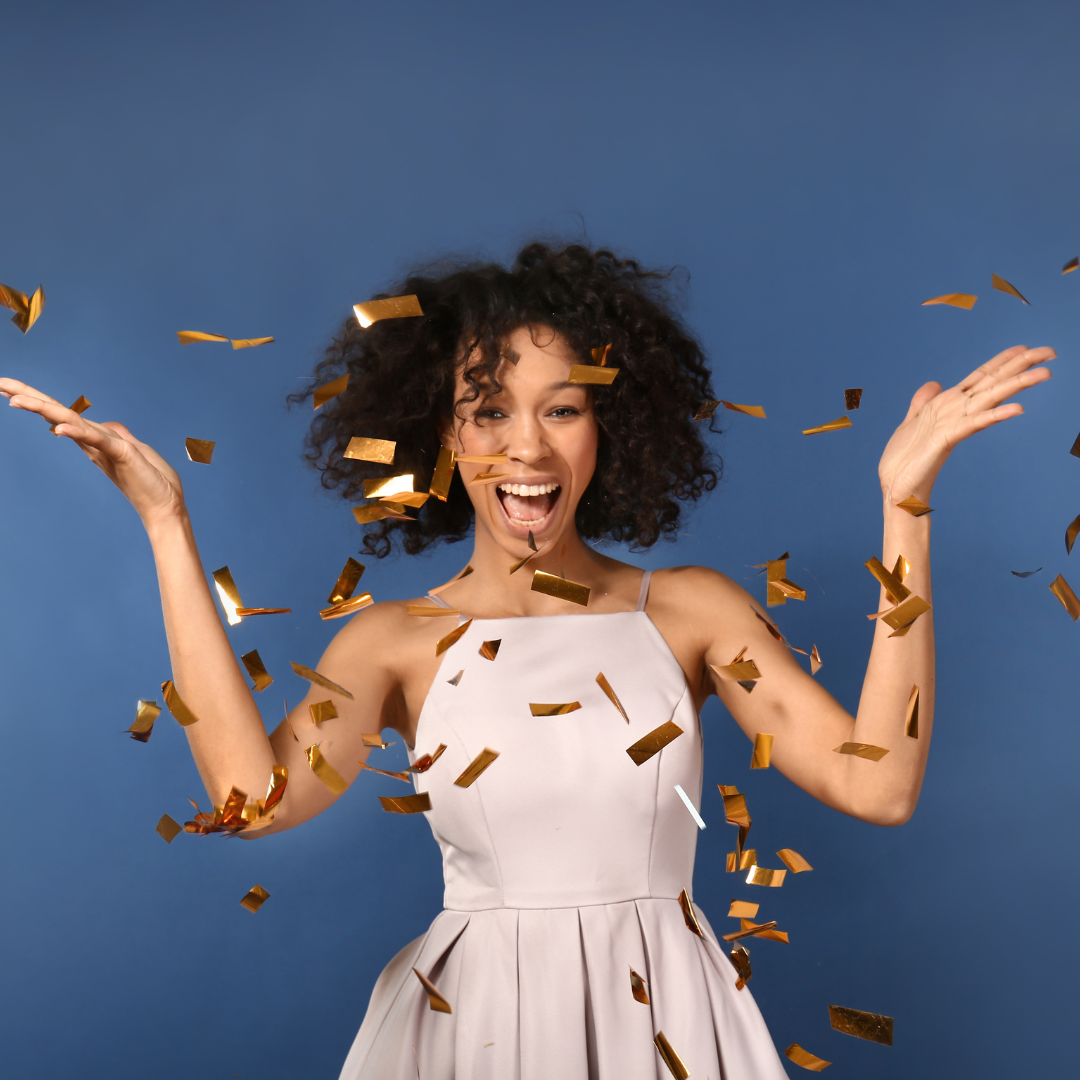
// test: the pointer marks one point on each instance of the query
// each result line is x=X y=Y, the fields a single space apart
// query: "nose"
x=527 y=443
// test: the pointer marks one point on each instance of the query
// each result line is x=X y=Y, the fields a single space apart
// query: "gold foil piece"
x=728 y=789
x=915 y=507
x=911 y=720
x=313 y=676
x=79 y=405
x=251 y=342
x=228 y=594
x=901 y=568
x=27 y=308
x=750 y=929
x=521 y=562
x=735 y=809
x=863 y=1025
x=393 y=307
x=590 y=375
x=778 y=588
x=1070 y=536
x=330 y=390
x=740 y=959
x=863 y=750
x=793 y=861
x=366 y=515
x=749 y=410
x=740 y=671
x=436 y=1001
x=1071 y=265
x=490 y=649
x=444 y=643
x=482 y=478
x=443 y=474
x=406 y=804
x=430 y=611
x=457 y=678
x=688 y=914
x=256 y=670
x=768 y=934
x=816 y=662
x=1004 y=286
x=484 y=459
x=255 y=898
x=347 y=581
x=181 y=713
x=760 y=875
x=705 y=410
x=374 y=739
x=762 y=751
x=380 y=451
x=654 y=742
x=403 y=776
x=637 y=988
x=795 y=1052
x=322 y=710
x=388 y=487
x=670 y=1058
x=1075 y=451
x=600 y=355
x=956 y=299
x=560 y=709
x=146 y=712
x=425 y=761
x=895 y=589
x=852 y=399
x=279 y=778
x=1061 y=589
x=199 y=450
x=833 y=425
x=347 y=607
x=601 y=681
x=325 y=771
x=560 y=588
x=168 y=829
x=244 y=612
x=476 y=767
x=903 y=615
x=190 y=337
x=768 y=625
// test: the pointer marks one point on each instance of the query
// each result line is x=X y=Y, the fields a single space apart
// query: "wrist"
x=164 y=525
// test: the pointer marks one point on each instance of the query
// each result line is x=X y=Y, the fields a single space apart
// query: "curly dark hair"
x=651 y=455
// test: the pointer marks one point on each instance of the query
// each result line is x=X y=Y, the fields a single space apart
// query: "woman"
x=565 y=858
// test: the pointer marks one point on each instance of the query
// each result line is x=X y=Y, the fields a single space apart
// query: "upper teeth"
x=526 y=489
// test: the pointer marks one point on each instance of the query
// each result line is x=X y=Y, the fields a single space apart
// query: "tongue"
x=527 y=507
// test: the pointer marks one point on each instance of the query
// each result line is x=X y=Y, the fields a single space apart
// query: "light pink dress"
x=563 y=865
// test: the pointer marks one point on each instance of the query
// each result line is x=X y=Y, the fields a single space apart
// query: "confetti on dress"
x=601 y=681
x=637 y=988
x=553 y=709
x=476 y=767
x=670 y=1058
x=436 y=1002
x=654 y=742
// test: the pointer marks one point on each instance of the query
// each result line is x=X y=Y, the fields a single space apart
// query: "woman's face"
x=547 y=429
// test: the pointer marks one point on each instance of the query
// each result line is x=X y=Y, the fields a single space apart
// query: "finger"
x=926 y=392
x=981 y=421
x=145 y=449
x=989 y=367
x=99 y=438
x=1020 y=362
x=10 y=387
x=998 y=392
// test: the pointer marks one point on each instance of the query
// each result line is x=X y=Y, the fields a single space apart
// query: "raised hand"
x=146 y=479
x=939 y=419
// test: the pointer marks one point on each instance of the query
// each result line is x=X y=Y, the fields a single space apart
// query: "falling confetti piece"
x=852 y=399
x=832 y=425
x=1060 y=588
x=735 y=809
x=146 y=712
x=347 y=581
x=347 y=607
x=862 y=750
x=1070 y=266
x=330 y=390
x=181 y=713
x=601 y=681
x=443 y=474
x=895 y=590
x=321 y=711
x=27 y=308
x=476 y=767
x=1024 y=573
x=915 y=507
x=600 y=355
x=956 y=299
x=374 y=739
x=425 y=761
x=406 y=804
x=762 y=751
x=325 y=771
x=436 y=1002
x=244 y=612
x=484 y=459
x=251 y=343
x=637 y=988
x=904 y=615
x=392 y=307
x=863 y=1025
x=490 y=649
x=590 y=375
x=1075 y=451
x=743 y=909
x=430 y=611
x=555 y=709
x=199 y=450
x=739 y=671
x=689 y=917
x=255 y=898
x=403 y=776
x=388 y=487
x=740 y=959
x=804 y=1058
x=750 y=929
x=654 y=742
x=79 y=405
x=457 y=678
x=778 y=589
x=816 y=662
x=793 y=861
x=670 y=1058
x=911 y=719
x=767 y=933
x=444 y=643
x=256 y=669
x=1002 y=285
x=190 y=337
x=705 y=410
x=560 y=588
x=760 y=875
x=749 y=410
x=690 y=806
x=1070 y=536
x=381 y=451
x=168 y=829
x=482 y=478
x=320 y=680
x=228 y=594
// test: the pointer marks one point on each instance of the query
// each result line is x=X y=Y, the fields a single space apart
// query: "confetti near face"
x=388 y=487
x=670 y=1058
x=689 y=917
x=804 y=1058
x=330 y=390
x=705 y=410
x=956 y=299
x=760 y=875
x=436 y=1002
x=793 y=861
x=256 y=670
x=590 y=375
x=915 y=507
x=637 y=988
x=146 y=712
x=455 y=635
x=762 y=751
x=319 y=680
x=852 y=399
x=654 y=742
x=392 y=307
x=168 y=829
x=381 y=451
x=1071 y=265
x=832 y=425
x=325 y=771
x=863 y=1025
x=255 y=898
x=556 y=709
x=406 y=804
x=861 y=750
x=251 y=343
x=199 y=450
x=347 y=607
x=476 y=767
x=1002 y=285
x=181 y=713
x=191 y=337
x=600 y=355
x=911 y=720
x=748 y=410
x=560 y=588
x=27 y=309
x=601 y=681
x=1062 y=590
x=443 y=474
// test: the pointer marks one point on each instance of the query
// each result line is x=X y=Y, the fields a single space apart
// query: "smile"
x=528 y=506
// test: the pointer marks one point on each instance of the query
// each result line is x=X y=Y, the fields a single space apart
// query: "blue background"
x=253 y=169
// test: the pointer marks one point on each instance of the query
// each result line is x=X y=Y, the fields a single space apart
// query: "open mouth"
x=528 y=506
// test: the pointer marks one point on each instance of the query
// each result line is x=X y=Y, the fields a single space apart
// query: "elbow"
x=889 y=815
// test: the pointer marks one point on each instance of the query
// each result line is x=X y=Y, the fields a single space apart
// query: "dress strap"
x=438 y=600
x=644 y=594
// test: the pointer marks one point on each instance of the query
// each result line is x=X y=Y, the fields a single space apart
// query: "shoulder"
x=692 y=585
x=386 y=630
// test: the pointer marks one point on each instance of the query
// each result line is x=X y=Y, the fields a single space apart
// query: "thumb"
x=926 y=392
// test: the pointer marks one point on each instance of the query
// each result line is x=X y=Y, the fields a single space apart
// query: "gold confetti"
x=256 y=670
x=749 y=410
x=1070 y=536
x=901 y=568
x=490 y=649
x=670 y=1058
x=705 y=410
x=320 y=680
x=476 y=767
x=365 y=515
x=728 y=789
x=862 y=750
x=637 y=988
x=199 y=450
x=168 y=829
x=347 y=607
x=749 y=929
x=457 y=678
x=793 y=861
x=404 y=776
x=852 y=399
x=374 y=739
x=738 y=670
x=688 y=914
x=443 y=474
x=228 y=594
x=425 y=761
x=601 y=681
x=388 y=487
x=182 y=714
x=768 y=625
x=325 y=771
x=762 y=751
x=590 y=375
x=795 y=1052
x=735 y=809
x=832 y=425
x=654 y=742
x=484 y=459
x=766 y=934
x=760 y=875
x=778 y=588
x=255 y=898
x=1070 y=266
x=743 y=909
x=911 y=720
x=956 y=299
x=1075 y=451
x=554 y=710
x=915 y=507
x=453 y=581
x=521 y=562
x=1002 y=285
x=347 y=581
x=740 y=959
x=741 y=860
x=330 y=390
x=380 y=451
x=146 y=712
x=560 y=588
x=436 y=1001
x=393 y=307
x=27 y=308
x=322 y=710
x=816 y=662
x=279 y=778
x=600 y=355
x=251 y=343
x=190 y=337
x=482 y=478
x=903 y=615
x=444 y=643
x=244 y=612
x=406 y=804
x=79 y=405
x=863 y=1025
x=895 y=590
x=430 y=611
x=1060 y=588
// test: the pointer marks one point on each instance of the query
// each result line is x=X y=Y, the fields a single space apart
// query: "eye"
x=562 y=411
x=489 y=412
